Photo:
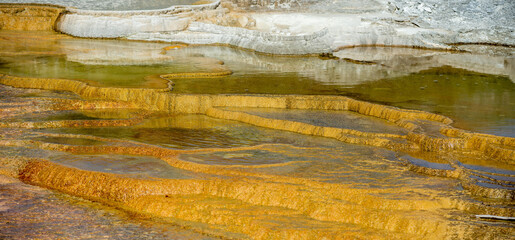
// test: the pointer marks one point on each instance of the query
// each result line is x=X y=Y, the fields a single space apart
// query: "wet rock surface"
x=30 y=212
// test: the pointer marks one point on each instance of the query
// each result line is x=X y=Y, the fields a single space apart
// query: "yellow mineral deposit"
x=232 y=205
x=499 y=148
x=173 y=47
x=254 y=203
x=28 y=17
x=243 y=201
x=71 y=123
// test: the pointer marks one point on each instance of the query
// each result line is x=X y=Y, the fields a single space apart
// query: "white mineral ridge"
x=115 y=27
x=204 y=33
x=306 y=27
x=277 y=33
x=110 y=5
x=349 y=29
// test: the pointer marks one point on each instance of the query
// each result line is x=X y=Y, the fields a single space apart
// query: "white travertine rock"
x=202 y=33
x=115 y=6
x=116 y=27
x=305 y=27
x=174 y=9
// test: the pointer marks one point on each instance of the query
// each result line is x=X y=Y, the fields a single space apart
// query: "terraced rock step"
x=263 y=191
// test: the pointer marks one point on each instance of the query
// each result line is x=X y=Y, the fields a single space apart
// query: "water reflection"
x=207 y=132
x=475 y=101
x=407 y=78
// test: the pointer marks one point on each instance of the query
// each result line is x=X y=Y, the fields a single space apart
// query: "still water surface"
x=476 y=101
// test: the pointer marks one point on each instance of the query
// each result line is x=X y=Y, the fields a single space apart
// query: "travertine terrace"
x=245 y=165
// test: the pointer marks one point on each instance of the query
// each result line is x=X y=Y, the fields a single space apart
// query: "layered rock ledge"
x=293 y=27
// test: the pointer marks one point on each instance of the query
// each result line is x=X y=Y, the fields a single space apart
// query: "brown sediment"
x=359 y=61
x=94 y=138
x=104 y=109
x=482 y=43
x=32 y=105
x=29 y=17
